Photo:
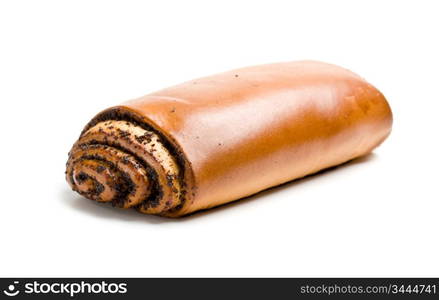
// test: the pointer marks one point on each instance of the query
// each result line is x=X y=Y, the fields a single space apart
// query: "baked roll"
x=217 y=139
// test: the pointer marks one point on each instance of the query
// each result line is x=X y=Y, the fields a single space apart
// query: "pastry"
x=220 y=138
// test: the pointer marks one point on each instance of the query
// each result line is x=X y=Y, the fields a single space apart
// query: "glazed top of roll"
x=245 y=125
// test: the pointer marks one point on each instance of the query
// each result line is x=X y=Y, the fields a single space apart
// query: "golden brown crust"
x=237 y=133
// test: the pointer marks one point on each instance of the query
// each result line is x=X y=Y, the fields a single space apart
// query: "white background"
x=61 y=62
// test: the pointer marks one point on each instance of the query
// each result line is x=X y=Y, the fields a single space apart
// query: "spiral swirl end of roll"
x=128 y=165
